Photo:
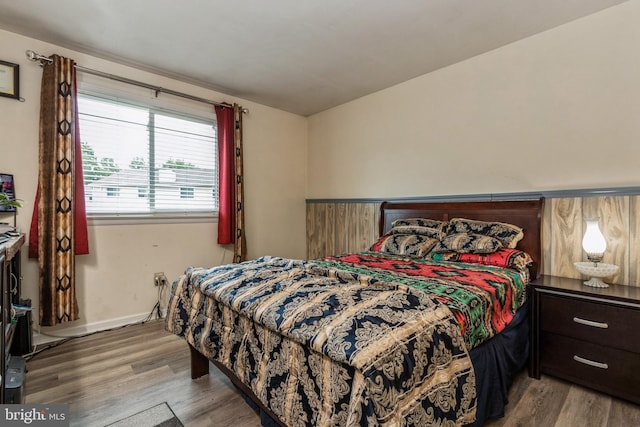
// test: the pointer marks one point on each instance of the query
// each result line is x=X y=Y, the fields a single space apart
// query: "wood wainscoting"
x=335 y=227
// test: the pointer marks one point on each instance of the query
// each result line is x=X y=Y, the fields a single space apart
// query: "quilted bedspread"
x=483 y=299
x=335 y=342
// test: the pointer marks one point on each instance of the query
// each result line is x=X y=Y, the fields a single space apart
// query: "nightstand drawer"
x=612 y=371
x=602 y=324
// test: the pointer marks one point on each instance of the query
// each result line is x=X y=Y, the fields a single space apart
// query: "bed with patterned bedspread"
x=362 y=339
x=422 y=330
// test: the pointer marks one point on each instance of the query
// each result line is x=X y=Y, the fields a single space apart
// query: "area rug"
x=158 y=416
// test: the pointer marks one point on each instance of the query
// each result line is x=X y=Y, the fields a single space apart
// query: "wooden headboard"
x=523 y=213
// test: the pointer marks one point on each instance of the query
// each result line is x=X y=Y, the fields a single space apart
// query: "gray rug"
x=158 y=416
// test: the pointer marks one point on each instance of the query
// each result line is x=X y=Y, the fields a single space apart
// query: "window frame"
x=197 y=216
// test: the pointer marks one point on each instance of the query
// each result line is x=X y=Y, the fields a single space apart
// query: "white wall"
x=559 y=110
x=116 y=280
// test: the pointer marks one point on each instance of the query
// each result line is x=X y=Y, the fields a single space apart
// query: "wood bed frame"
x=526 y=214
x=523 y=213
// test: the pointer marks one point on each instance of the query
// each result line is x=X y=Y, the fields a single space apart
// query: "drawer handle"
x=590 y=362
x=590 y=323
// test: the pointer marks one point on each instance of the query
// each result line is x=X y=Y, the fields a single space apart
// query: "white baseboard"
x=48 y=334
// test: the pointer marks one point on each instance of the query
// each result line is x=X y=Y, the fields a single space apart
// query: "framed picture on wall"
x=8 y=193
x=9 y=80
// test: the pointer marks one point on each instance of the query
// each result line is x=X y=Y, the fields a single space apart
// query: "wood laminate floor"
x=110 y=375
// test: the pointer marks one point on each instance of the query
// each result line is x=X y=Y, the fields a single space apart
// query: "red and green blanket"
x=483 y=299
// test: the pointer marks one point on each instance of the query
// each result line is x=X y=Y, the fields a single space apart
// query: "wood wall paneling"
x=547 y=233
x=362 y=228
x=566 y=236
x=342 y=229
x=335 y=228
x=339 y=227
x=320 y=229
x=634 y=241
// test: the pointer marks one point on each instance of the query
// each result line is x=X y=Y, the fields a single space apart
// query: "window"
x=145 y=159
x=113 y=191
x=187 y=192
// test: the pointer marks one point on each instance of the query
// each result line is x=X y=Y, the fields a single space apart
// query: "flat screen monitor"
x=7 y=187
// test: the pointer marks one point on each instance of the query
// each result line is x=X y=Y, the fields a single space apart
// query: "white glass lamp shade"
x=593 y=241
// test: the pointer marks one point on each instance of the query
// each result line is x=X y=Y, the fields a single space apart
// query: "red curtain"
x=80 y=226
x=226 y=175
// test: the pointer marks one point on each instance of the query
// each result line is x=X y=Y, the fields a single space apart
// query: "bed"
x=419 y=330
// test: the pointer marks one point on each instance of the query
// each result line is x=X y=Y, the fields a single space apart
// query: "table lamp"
x=594 y=244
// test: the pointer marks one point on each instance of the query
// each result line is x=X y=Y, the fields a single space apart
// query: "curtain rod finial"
x=36 y=57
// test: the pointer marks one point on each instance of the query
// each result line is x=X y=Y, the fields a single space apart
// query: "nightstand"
x=589 y=336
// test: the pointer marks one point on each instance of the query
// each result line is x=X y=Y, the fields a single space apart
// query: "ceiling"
x=301 y=56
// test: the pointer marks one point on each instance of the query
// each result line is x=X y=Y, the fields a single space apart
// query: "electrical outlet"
x=159 y=279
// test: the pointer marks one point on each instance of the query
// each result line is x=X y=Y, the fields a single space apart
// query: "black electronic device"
x=14 y=384
x=23 y=336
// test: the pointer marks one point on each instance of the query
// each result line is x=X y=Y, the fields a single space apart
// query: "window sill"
x=157 y=218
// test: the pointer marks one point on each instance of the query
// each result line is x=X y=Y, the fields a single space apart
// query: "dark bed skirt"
x=495 y=363
x=265 y=419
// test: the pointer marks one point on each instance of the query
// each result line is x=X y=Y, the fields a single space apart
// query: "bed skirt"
x=496 y=362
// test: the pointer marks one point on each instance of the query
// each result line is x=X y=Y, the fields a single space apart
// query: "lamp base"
x=596 y=283
x=595 y=272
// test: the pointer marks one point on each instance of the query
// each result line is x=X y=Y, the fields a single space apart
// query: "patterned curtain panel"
x=230 y=180
x=58 y=227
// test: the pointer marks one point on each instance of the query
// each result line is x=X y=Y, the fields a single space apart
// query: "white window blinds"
x=140 y=158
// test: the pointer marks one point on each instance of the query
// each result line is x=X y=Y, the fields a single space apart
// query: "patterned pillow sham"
x=508 y=234
x=418 y=229
x=504 y=257
x=413 y=245
x=420 y=222
x=468 y=243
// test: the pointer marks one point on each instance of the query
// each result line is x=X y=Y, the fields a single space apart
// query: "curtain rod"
x=36 y=57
